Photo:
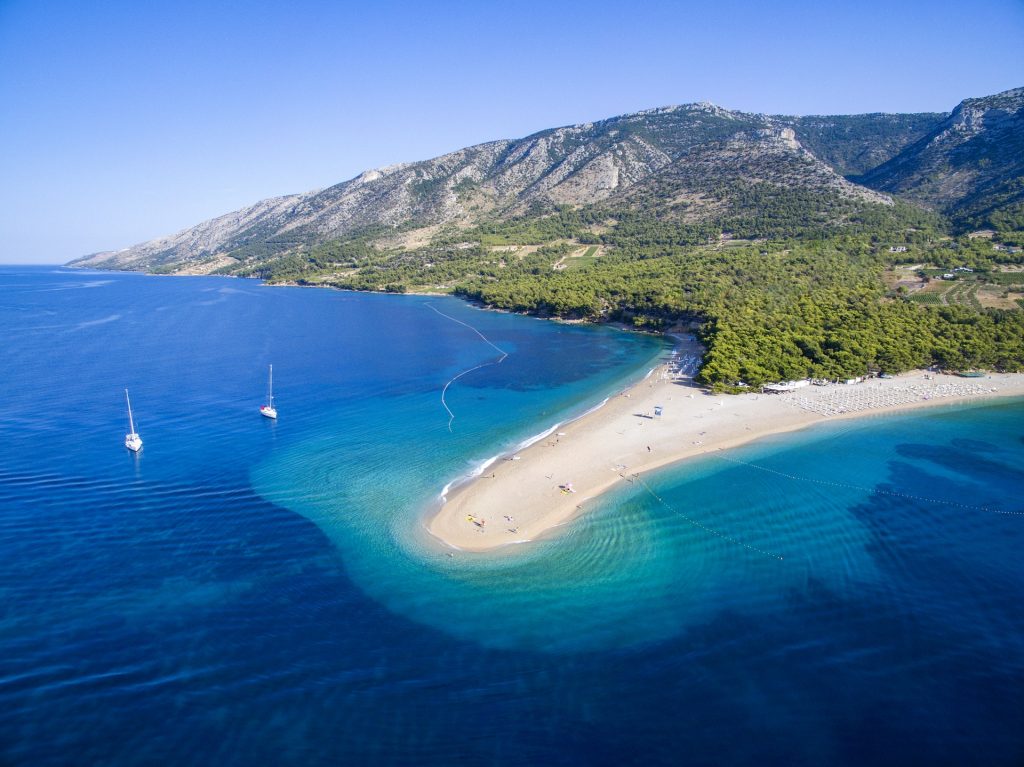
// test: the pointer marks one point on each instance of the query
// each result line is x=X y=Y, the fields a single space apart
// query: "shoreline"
x=524 y=504
x=457 y=483
x=519 y=497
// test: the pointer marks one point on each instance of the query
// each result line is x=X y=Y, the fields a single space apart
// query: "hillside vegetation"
x=776 y=238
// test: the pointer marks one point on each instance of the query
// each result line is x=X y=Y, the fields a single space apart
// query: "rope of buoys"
x=701 y=525
x=444 y=391
x=908 y=496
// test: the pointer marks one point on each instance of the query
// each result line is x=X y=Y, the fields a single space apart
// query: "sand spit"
x=662 y=420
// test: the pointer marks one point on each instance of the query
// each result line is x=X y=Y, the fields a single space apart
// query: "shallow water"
x=246 y=589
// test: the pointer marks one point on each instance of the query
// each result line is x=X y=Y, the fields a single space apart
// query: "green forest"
x=773 y=292
x=794 y=247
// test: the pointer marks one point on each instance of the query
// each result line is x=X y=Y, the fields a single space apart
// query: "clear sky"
x=123 y=121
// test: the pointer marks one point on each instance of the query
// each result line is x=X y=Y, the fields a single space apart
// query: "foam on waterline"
x=487 y=462
x=480 y=469
x=537 y=437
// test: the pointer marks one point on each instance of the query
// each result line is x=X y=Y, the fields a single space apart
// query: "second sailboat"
x=269 y=410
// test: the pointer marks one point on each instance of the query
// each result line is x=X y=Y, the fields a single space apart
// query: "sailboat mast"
x=131 y=424
x=270 y=387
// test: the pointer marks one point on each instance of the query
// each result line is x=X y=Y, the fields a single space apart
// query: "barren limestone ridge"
x=691 y=148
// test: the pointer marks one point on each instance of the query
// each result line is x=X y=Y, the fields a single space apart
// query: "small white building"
x=785 y=386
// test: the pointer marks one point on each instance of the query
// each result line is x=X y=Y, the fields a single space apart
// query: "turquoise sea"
x=249 y=592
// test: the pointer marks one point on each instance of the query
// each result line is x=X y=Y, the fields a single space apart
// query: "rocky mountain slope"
x=702 y=149
x=854 y=144
x=715 y=178
x=970 y=166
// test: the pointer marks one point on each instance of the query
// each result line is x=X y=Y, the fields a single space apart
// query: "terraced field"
x=938 y=293
x=580 y=258
x=974 y=293
x=962 y=293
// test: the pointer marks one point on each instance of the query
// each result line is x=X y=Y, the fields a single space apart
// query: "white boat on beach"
x=132 y=440
x=269 y=410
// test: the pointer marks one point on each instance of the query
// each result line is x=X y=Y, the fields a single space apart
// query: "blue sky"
x=125 y=121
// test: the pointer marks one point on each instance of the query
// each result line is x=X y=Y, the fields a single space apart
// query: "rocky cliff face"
x=702 y=149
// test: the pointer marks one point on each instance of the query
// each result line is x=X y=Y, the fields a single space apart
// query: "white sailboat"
x=132 y=440
x=269 y=410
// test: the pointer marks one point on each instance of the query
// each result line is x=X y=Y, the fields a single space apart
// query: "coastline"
x=540 y=487
x=520 y=497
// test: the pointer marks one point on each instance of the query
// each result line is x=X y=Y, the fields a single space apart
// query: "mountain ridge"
x=570 y=165
x=794 y=247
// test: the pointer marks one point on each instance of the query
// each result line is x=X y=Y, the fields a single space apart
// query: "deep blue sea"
x=249 y=592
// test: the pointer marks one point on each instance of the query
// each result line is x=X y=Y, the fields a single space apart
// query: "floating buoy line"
x=847 y=486
x=697 y=523
x=444 y=391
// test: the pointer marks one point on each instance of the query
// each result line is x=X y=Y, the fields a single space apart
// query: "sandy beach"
x=523 y=496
